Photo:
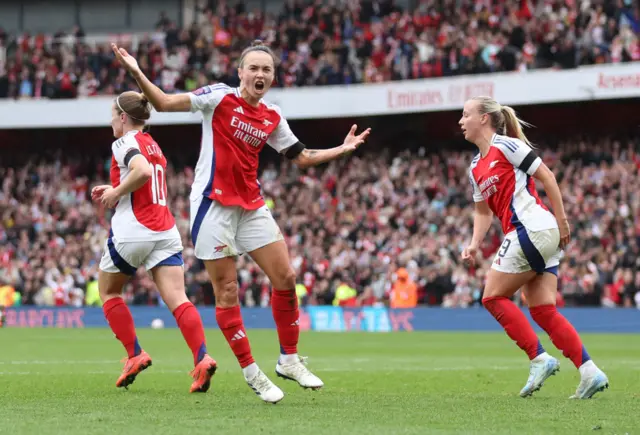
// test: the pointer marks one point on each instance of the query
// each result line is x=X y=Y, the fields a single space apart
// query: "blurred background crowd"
x=381 y=228
x=328 y=43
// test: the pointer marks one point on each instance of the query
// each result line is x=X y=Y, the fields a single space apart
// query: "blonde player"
x=502 y=176
x=228 y=213
x=143 y=233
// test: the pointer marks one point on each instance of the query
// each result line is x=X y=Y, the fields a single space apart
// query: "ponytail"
x=513 y=125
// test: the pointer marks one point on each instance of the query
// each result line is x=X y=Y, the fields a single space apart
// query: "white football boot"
x=592 y=381
x=293 y=368
x=542 y=366
x=262 y=385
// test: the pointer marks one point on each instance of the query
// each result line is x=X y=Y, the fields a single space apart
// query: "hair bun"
x=257 y=43
x=143 y=99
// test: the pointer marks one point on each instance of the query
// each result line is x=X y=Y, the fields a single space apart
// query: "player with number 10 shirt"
x=143 y=233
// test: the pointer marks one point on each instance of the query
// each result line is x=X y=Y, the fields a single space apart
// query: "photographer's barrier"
x=332 y=319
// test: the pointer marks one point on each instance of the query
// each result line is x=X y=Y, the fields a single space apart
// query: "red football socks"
x=230 y=323
x=562 y=333
x=121 y=322
x=284 y=305
x=190 y=324
x=515 y=324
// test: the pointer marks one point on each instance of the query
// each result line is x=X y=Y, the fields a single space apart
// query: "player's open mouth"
x=259 y=86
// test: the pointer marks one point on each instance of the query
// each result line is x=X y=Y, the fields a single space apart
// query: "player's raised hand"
x=110 y=197
x=96 y=192
x=126 y=60
x=469 y=255
x=352 y=142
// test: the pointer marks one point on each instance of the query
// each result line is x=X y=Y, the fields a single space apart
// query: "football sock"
x=515 y=324
x=284 y=306
x=230 y=323
x=121 y=322
x=562 y=333
x=190 y=324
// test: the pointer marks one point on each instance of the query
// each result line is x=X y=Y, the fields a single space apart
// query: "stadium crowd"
x=339 y=42
x=357 y=229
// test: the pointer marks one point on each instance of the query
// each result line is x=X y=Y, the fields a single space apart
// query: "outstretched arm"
x=160 y=101
x=307 y=158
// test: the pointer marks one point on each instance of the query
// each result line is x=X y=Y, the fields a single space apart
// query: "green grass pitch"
x=61 y=381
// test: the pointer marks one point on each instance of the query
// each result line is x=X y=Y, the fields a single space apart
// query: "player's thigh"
x=170 y=283
x=273 y=259
x=213 y=229
x=110 y=284
x=260 y=236
x=167 y=268
x=542 y=290
x=505 y=284
x=224 y=278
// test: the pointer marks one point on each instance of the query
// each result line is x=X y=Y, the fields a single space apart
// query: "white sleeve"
x=207 y=97
x=125 y=149
x=477 y=195
x=282 y=137
x=519 y=154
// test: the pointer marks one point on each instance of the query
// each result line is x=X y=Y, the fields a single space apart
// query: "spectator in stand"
x=404 y=292
x=343 y=43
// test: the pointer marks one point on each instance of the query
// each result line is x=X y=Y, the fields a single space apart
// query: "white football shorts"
x=523 y=250
x=127 y=257
x=218 y=231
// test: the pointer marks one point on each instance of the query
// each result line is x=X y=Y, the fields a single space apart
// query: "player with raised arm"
x=503 y=176
x=143 y=233
x=228 y=213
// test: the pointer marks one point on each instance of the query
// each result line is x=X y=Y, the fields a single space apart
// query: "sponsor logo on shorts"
x=220 y=248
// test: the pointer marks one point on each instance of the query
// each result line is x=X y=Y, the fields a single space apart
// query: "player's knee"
x=285 y=279
x=174 y=299
x=170 y=283
x=490 y=292
x=108 y=291
x=226 y=293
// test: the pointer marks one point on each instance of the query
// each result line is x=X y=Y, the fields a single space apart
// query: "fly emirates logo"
x=488 y=187
x=248 y=133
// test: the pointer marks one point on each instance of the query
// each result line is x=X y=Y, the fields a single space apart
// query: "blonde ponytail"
x=513 y=125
